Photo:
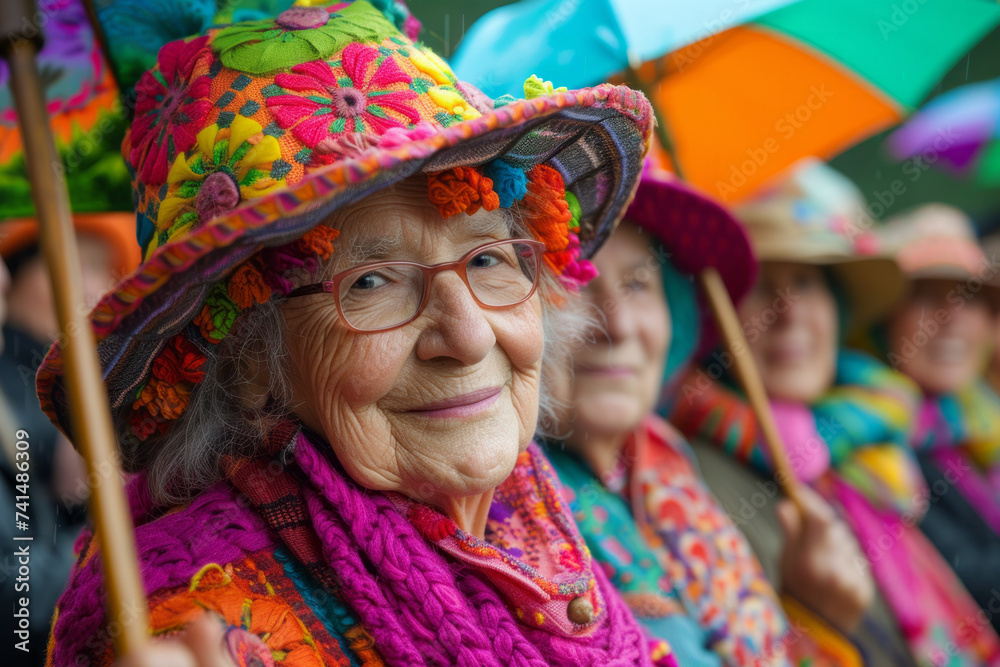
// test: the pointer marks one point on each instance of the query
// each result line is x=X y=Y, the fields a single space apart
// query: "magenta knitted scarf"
x=421 y=606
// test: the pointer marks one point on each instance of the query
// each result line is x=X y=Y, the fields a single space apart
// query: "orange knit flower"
x=318 y=241
x=461 y=189
x=247 y=286
x=547 y=213
x=162 y=399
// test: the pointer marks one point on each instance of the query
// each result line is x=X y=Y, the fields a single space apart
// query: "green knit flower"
x=299 y=35
x=218 y=314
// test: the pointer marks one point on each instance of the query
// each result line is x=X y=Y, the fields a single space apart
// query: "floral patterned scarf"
x=671 y=550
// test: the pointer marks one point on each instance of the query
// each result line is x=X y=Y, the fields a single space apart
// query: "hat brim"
x=989 y=286
x=595 y=137
x=699 y=233
x=873 y=286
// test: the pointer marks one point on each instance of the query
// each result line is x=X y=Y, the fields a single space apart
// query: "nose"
x=457 y=327
x=619 y=320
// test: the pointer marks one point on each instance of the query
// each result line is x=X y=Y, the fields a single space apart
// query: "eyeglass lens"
x=500 y=275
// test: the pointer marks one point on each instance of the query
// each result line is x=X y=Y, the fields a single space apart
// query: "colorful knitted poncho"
x=307 y=568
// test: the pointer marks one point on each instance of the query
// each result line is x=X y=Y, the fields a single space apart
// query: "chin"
x=482 y=456
x=796 y=389
x=607 y=414
x=945 y=380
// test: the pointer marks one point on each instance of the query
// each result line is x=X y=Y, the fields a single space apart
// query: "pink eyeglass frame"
x=459 y=266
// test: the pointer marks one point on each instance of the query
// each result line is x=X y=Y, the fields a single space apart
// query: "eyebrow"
x=363 y=247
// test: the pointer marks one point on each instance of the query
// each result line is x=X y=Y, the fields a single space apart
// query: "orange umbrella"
x=809 y=79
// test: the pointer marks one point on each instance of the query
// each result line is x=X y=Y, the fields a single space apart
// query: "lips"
x=950 y=350
x=608 y=370
x=460 y=406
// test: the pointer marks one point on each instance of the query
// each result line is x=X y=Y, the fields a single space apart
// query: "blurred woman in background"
x=846 y=418
x=681 y=564
x=942 y=336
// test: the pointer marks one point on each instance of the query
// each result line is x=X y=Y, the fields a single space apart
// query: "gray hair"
x=226 y=418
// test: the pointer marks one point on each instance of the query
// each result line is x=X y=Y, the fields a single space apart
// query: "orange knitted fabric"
x=461 y=189
x=547 y=213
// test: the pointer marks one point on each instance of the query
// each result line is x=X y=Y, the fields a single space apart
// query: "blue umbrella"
x=580 y=42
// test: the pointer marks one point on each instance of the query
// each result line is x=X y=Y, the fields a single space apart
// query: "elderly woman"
x=941 y=336
x=679 y=561
x=327 y=372
x=845 y=418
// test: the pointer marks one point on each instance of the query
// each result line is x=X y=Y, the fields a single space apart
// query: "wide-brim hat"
x=816 y=216
x=936 y=241
x=239 y=146
x=115 y=228
x=698 y=233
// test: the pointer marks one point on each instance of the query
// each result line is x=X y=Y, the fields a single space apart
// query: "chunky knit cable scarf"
x=419 y=606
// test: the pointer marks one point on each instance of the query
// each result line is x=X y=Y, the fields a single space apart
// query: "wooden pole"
x=749 y=378
x=88 y=401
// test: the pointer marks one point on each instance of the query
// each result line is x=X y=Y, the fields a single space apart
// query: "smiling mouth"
x=466 y=405
x=610 y=371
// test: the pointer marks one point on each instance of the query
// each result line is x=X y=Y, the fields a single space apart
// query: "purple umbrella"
x=959 y=130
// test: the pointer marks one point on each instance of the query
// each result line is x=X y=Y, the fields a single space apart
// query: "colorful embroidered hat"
x=698 y=232
x=817 y=216
x=939 y=241
x=247 y=137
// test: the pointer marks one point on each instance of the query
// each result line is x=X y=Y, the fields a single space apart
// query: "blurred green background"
x=867 y=163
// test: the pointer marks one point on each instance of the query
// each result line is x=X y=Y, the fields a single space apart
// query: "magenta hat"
x=698 y=232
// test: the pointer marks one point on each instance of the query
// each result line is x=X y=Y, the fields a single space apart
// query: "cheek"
x=656 y=332
x=902 y=327
x=825 y=324
x=334 y=369
x=977 y=321
x=520 y=334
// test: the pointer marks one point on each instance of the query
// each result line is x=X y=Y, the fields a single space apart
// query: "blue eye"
x=369 y=281
x=483 y=261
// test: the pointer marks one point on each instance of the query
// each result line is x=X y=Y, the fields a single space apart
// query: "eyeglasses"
x=384 y=295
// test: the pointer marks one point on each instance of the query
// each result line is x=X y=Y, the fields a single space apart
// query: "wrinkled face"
x=617 y=376
x=941 y=336
x=790 y=319
x=438 y=408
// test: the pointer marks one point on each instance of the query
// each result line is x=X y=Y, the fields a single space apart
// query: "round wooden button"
x=580 y=611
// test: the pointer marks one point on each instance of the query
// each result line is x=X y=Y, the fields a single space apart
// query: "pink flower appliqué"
x=327 y=105
x=170 y=109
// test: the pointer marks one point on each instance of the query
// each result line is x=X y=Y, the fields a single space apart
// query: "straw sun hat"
x=817 y=216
